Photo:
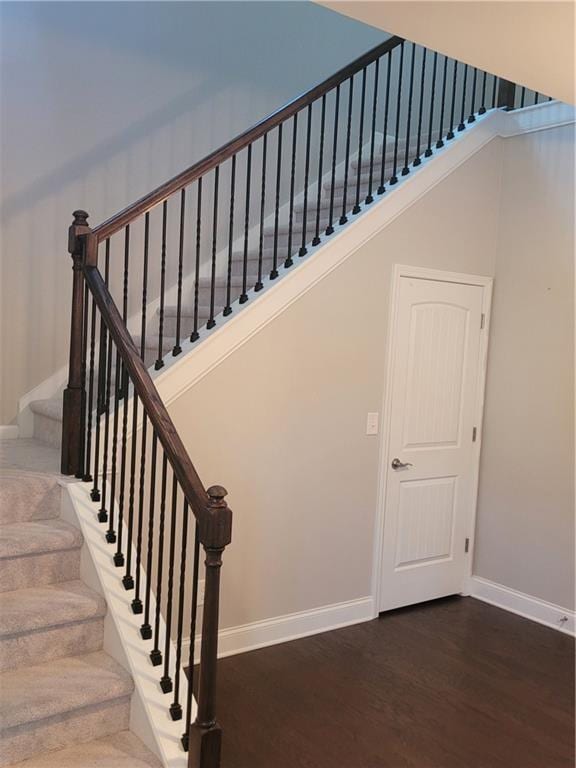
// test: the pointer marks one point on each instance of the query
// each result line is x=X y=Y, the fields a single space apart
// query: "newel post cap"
x=78 y=227
x=80 y=218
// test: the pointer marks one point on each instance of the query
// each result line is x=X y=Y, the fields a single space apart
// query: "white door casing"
x=434 y=395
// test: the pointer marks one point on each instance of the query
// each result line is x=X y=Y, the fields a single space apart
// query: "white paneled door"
x=431 y=459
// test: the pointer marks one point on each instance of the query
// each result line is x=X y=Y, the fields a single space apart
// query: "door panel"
x=433 y=389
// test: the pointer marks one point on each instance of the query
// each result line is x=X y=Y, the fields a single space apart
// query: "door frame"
x=486 y=283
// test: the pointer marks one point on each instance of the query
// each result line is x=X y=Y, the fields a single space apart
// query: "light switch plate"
x=372 y=424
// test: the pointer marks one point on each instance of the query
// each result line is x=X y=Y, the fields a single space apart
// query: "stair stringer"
x=149 y=715
x=230 y=333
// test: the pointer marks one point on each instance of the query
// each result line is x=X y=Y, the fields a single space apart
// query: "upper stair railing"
x=221 y=230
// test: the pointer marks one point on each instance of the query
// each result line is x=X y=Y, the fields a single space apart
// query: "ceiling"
x=528 y=42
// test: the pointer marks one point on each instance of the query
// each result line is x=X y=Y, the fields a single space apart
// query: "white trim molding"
x=533 y=608
x=282 y=629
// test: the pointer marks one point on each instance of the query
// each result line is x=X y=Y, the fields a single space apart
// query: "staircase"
x=58 y=687
x=149 y=284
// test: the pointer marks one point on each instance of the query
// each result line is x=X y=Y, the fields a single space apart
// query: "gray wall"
x=100 y=102
x=526 y=501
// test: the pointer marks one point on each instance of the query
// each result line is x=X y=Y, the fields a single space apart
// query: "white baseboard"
x=281 y=629
x=9 y=432
x=533 y=608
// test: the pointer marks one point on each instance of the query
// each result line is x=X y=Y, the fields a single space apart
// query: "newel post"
x=215 y=532
x=506 y=94
x=74 y=396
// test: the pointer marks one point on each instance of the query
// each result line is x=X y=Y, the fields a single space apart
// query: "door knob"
x=397 y=464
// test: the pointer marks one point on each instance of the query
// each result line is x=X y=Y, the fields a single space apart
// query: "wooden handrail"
x=146 y=390
x=120 y=220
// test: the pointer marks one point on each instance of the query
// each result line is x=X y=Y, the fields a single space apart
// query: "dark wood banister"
x=129 y=214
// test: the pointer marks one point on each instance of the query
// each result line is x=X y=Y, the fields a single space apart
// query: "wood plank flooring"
x=449 y=684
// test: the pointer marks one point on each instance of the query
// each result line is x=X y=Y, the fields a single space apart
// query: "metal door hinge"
x=474 y=433
x=466 y=545
x=482 y=320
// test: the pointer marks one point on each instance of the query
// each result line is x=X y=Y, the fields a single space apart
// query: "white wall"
x=525 y=531
x=281 y=422
x=100 y=102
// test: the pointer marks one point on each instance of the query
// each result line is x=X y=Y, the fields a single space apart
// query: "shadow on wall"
x=101 y=102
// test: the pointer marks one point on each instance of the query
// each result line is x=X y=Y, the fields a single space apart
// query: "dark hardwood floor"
x=449 y=684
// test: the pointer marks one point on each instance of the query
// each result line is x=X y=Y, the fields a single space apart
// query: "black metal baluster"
x=83 y=448
x=522 y=96
x=95 y=492
x=146 y=629
x=462 y=124
x=259 y=284
x=122 y=393
x=127 y=579
x=176 y=707
x=156 y=653
x=303 y=250
x=394 y=178
x=228 y=307
x=192 y=635
x=211 y=321
x=472 y=117
x=356 y=208
x=440 y=142
x=494 y=89
x=536 y=97
x=450 y=134
x=289 y=261
x=194 y=336
x=110 y=533
x=406 y=169
x=428 y=151
x=102 y=512
x=274 y=272
x=417 y=159
x=101 y=387
x=483 y=95
x=160 y=362
x=90 y=403
x=382 y=187
x=316 y=239
x=166 y=680
x=344 y=217
x=369 y=196
x=144 y=286
x=244 y=297
x=330 y=227
x=177 y=348
x=137 y=602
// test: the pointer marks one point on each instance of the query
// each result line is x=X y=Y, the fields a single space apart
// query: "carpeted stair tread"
x=26 y=496
x=121 y=750
x=37 y=608
x=58 y=687
x=30 y=538
x=50 y=408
